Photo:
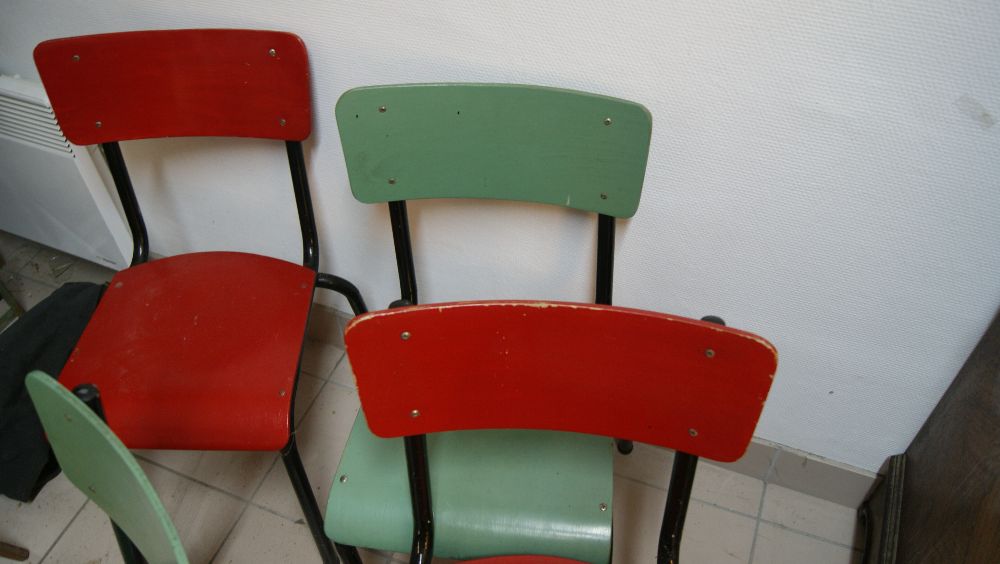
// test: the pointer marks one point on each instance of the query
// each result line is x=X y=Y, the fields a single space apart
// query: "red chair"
x=423 y=371
x=201 y=350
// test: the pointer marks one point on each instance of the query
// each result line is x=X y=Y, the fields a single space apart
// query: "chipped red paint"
x=176 y=83
x=655 y=378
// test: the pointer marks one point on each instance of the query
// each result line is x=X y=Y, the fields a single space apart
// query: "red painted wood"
x=176 y=83
x=651 y=377
x=523 y=560
x=198 y=351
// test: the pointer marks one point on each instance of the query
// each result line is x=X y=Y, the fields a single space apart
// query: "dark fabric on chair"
x=42 y=339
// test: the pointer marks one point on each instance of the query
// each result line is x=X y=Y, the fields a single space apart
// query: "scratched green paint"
x=495 y=141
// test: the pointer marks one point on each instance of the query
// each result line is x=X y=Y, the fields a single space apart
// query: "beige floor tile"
x=809 y=514
x=56 y=268
x=36 y=525
x=321 y=437
x=713 y=484
x=344 y=374
x=265 y=538
x=15 y=251
x=237 y=472
x=711 y=535
x=203 y=517
x=88 y=539
x=319 y=358
x=26 y=291
x=776 y=545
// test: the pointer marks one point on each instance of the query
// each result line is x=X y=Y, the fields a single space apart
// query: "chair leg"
x=300 y=482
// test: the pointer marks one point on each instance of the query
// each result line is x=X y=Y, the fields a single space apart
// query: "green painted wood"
x=493 y=492
x=495 y=141
x=98 y=463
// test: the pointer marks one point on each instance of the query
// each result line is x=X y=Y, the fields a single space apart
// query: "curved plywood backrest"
x=656 y=378
x=98 y=463
x=175 y=83
x=495 y=141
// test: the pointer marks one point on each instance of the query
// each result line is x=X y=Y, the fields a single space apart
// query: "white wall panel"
x=826 y=174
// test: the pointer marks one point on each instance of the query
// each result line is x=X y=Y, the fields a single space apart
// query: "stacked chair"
x=196 y=351
x=484 y=426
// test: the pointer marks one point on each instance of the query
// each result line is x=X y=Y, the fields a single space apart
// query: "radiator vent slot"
x=31 y=122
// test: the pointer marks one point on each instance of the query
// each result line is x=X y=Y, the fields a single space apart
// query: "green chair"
x=97 y=463
x=530 y=487
x=576 y=150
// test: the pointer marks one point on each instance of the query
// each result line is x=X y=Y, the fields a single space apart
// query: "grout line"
x=760 y=508
x=810 y=535
x=239 y=517
x=193 y=479
x=55 y=542
x=698 y=499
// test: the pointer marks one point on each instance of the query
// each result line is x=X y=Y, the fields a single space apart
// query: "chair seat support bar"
x=420 y=494
x=130 y=204
x=404 y=252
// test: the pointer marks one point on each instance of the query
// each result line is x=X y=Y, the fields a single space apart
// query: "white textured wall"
x=826 y=174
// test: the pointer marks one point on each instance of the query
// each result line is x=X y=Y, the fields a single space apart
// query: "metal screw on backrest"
x=343 y=478
x=98 y=124
x=607 y=121
x=76 y=58
x=392 y=181
x=404 y=335
x=282 y=122
x=693 y=432
x=604 y=507
x=604 y=196
x=381 y=109
x=272 y=52
x=415 y=413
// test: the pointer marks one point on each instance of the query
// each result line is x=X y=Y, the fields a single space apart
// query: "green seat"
x=581 y=151
x=545 y=509
x=97 y=463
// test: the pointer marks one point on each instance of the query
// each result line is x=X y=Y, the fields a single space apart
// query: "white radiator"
x=52 y=191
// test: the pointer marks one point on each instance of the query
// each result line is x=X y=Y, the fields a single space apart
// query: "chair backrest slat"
x=495 y=141
x=97 y=463
x=175 y=83
x=671 y=381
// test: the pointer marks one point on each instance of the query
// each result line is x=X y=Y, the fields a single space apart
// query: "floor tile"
x=809 y=514
x=15 y=251
x=56 y=268
x=237 y=472
x=344 y=374
x=265 y=538
x=712 y=484
x=321 y=438
x=203 y=517
x=776 y=545
x=319 y=358
x=711 y=535
x=36 y=525
x=26 y=291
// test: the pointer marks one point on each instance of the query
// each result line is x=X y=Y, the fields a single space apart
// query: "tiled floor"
x=239 y=507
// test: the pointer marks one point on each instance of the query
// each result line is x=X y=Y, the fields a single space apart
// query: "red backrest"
x=176 y=83
x=604 y=370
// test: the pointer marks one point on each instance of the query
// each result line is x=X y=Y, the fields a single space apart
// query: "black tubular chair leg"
x=300 y=482
x=420 y=496
x=678 y=496
x=344 y=288
x=91 y=397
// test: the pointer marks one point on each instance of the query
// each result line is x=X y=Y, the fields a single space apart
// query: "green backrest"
x=495 y=141
x=98 y=463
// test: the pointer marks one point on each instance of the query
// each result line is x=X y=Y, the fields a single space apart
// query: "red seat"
x=217 y=336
